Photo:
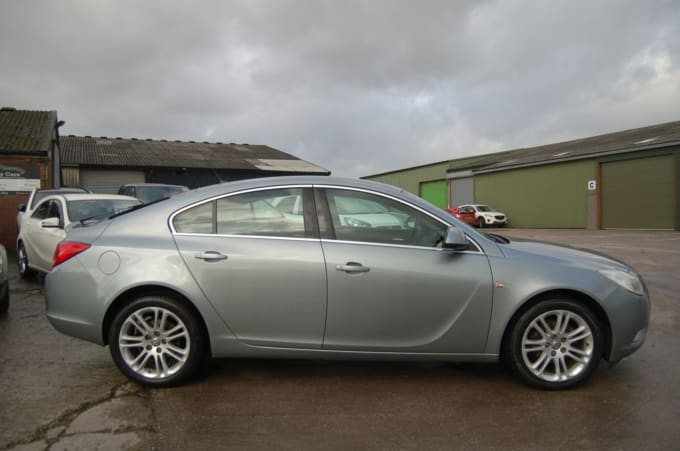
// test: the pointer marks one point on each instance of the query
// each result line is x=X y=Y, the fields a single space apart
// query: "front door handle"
x=353 y=267
x=211 y=256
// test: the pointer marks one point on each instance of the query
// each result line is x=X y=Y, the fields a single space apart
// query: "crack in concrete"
x=46 y=433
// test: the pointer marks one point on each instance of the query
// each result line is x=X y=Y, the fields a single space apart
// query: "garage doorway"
x=639 y=193
x=105 y=181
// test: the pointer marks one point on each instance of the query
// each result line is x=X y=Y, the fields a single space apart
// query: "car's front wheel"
x=157 y=341
x=555 y=344
x=480 y=222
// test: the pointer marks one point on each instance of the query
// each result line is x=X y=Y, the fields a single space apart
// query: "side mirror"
x=22 y=208
x=50 y=223
x=456 y=240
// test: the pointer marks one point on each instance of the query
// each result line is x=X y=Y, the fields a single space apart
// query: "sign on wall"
x=20 y=178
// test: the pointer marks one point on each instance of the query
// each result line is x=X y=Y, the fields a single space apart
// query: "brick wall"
x=9 y=203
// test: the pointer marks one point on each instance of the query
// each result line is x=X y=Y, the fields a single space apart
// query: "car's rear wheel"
x=157 y=341
x=22 y=262
x=555 y=344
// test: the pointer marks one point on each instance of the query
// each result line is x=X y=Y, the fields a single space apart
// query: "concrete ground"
x=59 y=393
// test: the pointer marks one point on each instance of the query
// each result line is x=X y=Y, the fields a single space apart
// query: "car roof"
x=152 y=184
x=87 y=196
x=62 y=190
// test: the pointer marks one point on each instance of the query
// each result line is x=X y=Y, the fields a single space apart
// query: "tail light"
x=66 y=250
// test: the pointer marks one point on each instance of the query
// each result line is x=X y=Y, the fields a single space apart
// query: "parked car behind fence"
x=151 y=192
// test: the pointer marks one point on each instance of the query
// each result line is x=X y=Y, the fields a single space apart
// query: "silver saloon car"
x=222 y=271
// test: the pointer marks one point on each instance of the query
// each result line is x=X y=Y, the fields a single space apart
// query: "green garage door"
x=434 y=192
x=639 y=194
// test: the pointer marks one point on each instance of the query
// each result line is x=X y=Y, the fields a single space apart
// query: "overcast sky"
x=358 y=87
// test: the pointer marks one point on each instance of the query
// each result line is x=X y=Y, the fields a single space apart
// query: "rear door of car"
x=391 y=287
x=262 y=268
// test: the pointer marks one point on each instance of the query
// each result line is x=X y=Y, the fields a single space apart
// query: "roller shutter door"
x=106 y=181
x=434 y=192
x=639 y=194
x=462 y=191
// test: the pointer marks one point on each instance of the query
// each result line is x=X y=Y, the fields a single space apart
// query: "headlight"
x=629 y=281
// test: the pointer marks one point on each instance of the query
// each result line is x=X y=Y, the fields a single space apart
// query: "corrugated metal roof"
x=653 y=136
x=119 y=152
x=23 y=131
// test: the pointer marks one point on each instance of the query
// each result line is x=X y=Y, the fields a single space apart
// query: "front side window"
x=359 y=216
x=272 y=213
x=53 y=211
x=41 y=211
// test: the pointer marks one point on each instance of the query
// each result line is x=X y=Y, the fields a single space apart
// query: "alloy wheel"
x=557 y=345
x=154 y=342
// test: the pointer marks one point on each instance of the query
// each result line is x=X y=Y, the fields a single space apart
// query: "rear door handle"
x=353 y=267
x=211 y=256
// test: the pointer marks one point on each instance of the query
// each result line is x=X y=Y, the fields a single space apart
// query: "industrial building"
x=103 y=164
x=34 y=155
x=621 y=180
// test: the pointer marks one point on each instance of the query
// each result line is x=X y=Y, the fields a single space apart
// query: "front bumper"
x=629 y=319
x=494 y=221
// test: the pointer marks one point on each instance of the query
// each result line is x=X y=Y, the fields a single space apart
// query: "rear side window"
x=271 y=213
x=256 y=213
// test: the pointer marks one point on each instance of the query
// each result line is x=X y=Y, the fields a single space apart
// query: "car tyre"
x=157 y=341
x=4 y=302
x=480 y=223
x=554 y=345
x=22 y=262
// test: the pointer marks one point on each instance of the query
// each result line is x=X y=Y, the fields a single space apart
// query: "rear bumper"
x=71 y=302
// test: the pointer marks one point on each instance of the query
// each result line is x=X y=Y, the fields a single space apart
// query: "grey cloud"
x=355 y=86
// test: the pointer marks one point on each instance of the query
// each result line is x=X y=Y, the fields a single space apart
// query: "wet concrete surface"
x=60 y=393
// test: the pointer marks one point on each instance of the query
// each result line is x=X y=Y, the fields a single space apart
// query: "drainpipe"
x=56 y=157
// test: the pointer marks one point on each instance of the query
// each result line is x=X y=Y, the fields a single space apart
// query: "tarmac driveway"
x=60 y=393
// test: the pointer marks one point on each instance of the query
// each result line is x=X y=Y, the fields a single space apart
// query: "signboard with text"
x=18 y=179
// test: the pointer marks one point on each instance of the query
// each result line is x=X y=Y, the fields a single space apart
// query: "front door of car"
x=391 y=286
x=261 y=268
x=40 y=240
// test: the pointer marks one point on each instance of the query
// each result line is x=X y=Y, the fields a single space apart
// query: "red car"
x=465 y=214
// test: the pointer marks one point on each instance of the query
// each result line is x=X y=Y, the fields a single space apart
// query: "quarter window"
x=359 y=216
x=199 y=219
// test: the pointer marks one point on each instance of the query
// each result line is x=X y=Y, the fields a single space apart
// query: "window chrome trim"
x=265 y=237
x=171 y=219
x=401 y=246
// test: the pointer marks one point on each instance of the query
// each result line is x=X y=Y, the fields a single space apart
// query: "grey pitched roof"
x=26 y=132
x=651 y=137
x=119 y=152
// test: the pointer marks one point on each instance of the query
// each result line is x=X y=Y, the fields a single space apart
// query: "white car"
x=4 y=281
x=487 y=216
x=48 y=222
x=39 y=194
